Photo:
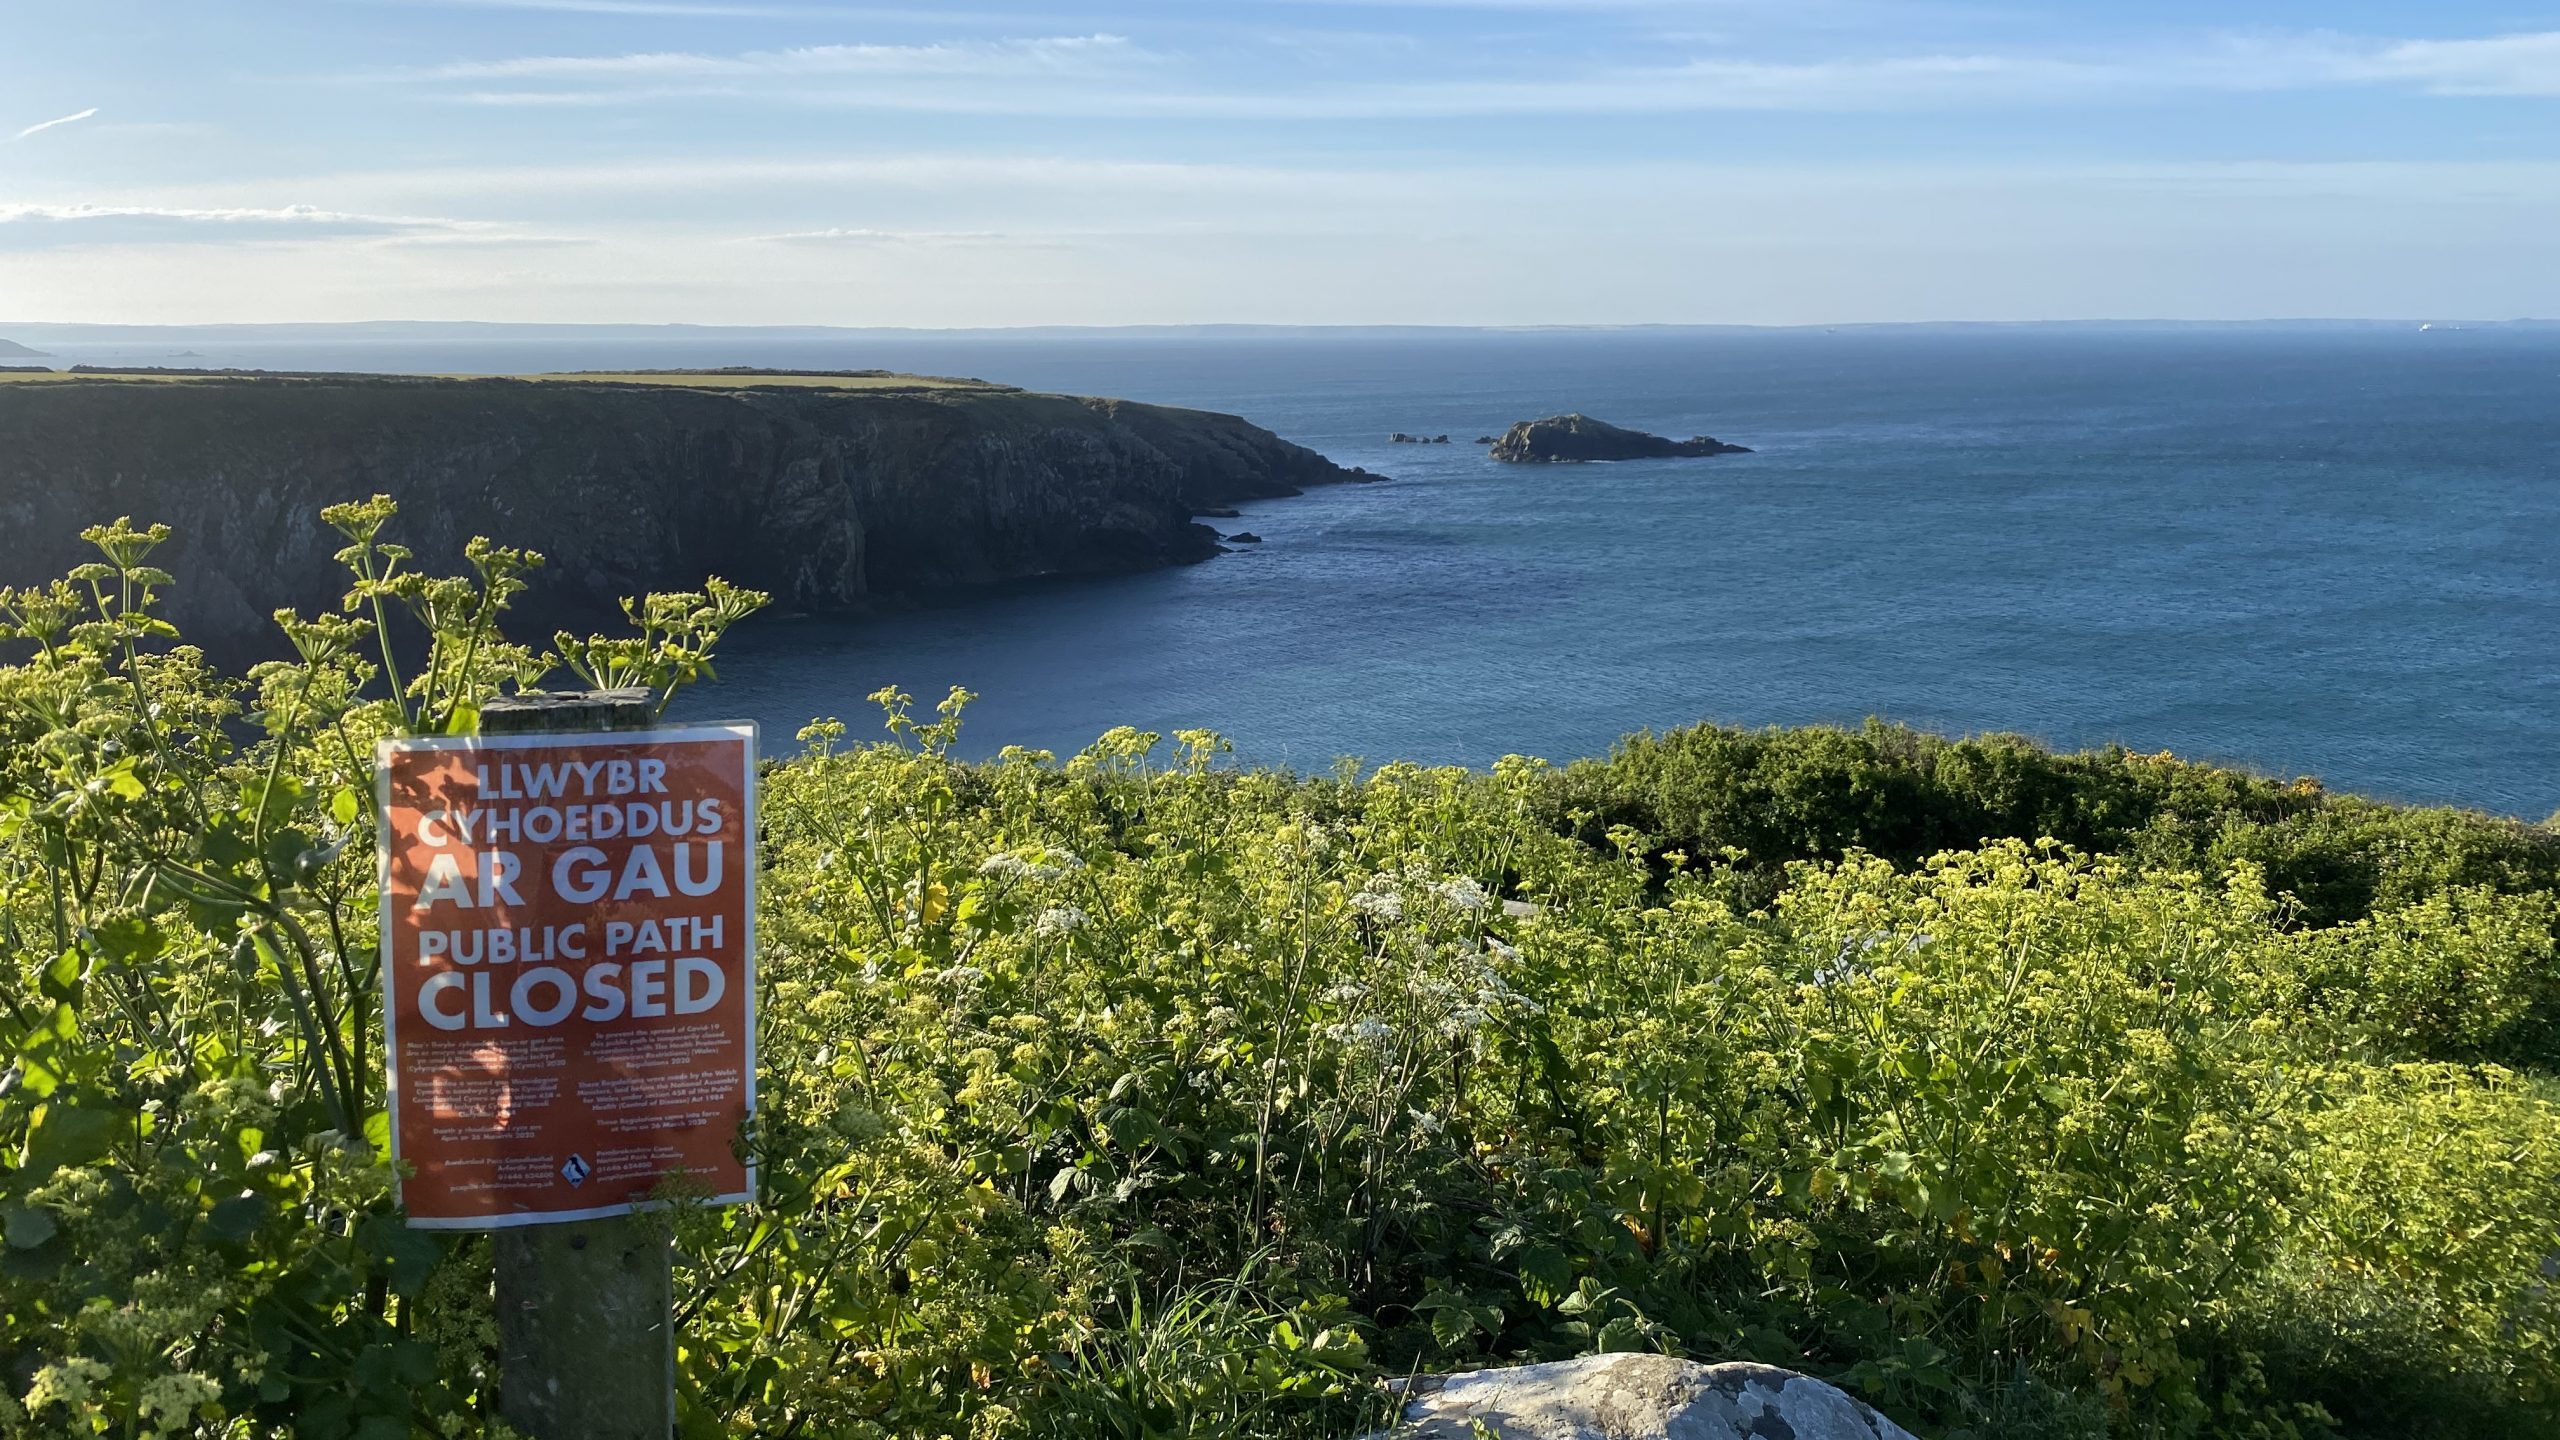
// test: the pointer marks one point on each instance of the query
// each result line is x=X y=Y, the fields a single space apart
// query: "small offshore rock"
x=1636 y=1397
x=1568 y=438
x=1244 y=537
x=1485 y=440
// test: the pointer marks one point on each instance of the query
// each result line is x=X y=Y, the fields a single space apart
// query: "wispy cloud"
x=865 y=238
x=1046 y=55
x=50 y=124
x=1105 y=75
x=950 y=174
x=678 y=8
x=2518 y=65
x=50 y=226
x=839 y=235
x=689 y=9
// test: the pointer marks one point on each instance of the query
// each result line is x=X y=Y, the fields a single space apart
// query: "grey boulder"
x=1637 y=1397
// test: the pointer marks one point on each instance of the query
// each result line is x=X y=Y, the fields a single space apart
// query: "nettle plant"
x=196 y=1192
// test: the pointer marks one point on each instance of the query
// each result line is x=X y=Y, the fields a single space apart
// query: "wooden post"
x=586 y=1327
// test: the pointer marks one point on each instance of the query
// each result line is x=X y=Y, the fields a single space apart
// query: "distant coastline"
x=42 y=332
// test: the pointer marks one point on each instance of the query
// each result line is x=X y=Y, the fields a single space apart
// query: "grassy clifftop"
x=725 y=378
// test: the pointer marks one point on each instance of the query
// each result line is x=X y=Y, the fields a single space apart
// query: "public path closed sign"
x=568 y=927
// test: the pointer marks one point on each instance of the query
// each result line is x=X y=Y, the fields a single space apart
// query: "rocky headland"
x=1569 y=438
x=832 y=492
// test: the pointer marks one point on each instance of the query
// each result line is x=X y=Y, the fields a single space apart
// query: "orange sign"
x=568 y=933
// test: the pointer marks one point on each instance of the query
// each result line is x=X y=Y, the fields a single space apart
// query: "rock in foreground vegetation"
x=1640 y=1397
x=1560 y=438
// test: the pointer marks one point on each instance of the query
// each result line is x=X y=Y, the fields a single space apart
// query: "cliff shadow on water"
x=830 y=498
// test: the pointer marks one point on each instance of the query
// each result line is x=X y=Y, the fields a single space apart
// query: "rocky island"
x=1569 y=438
x=831 y=491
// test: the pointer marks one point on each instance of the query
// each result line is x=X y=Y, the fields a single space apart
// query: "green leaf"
x=285 y=846
x=345 y=805
x=234 y=1220
x=1547 y=1265
x=325 y=1418
x=27 y=1226
x=64 y=1135
x=46 y=1054
x=1620 y=1334
x=224 y=845
x=415 y=1363
x=410 y=1255
x=129 y=939
x=1452 y=1326
x=120 y=779
x=61 y=979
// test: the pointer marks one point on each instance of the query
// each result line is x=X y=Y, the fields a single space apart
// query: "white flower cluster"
x=1462 y=893
x=1059 y=920
x=1477 y=991
x=1006 y=865
x=1388 y=895
x=1367 y=1032
x=1379 y=899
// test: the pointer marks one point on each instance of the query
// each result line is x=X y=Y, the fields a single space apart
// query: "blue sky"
x=1325 y=161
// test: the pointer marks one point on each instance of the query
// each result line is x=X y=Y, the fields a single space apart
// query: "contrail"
x=49 y=124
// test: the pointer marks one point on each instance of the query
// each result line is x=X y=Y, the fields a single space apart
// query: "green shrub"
x=197 y=1199
x=1144 y=1096
x=1747 y=803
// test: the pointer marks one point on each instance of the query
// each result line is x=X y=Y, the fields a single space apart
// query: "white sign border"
x=696 y=733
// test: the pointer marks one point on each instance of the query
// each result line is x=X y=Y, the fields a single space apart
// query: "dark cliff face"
x=828 y=498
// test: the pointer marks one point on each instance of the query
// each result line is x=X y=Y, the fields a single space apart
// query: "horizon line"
x=2161 y=322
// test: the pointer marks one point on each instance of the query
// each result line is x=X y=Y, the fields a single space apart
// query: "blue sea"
x=2329 y=551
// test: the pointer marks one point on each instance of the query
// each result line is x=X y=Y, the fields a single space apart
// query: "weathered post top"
x=567 y=711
